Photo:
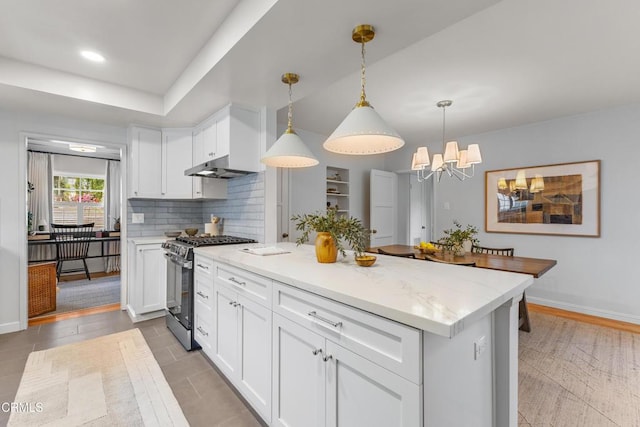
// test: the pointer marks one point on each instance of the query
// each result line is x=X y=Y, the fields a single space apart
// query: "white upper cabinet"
x=232 y=136
x=145 y=176
x=176 y=157
x=158 y=160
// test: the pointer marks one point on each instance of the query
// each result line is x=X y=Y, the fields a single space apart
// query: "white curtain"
x=112 y=211
x=39 y=176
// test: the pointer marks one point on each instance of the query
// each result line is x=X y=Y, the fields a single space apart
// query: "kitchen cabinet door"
x=226 y=331
x=177 y=146
x=209 y=142
x=361 y=393
x=254 y=380
x=298 y=376
x=148 y=290
x=146 y=163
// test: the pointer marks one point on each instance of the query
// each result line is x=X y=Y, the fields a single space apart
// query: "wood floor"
x=571 y=373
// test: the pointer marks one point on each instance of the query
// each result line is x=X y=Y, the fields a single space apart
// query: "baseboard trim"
x=551 y=307
x=7 y=328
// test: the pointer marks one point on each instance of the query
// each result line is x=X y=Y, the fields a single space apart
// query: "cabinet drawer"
x=202 y=265
x=389 y=344
x=251 y=285
x=203 y=327
x=203 y=288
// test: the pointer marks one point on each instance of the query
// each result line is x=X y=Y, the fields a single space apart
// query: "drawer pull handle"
x=327 y=357
x=202 y=331
x=202 y=295
x=237 y=282
x=234 y=303
x=203 y=266
x=316 y=351
x=324 y=319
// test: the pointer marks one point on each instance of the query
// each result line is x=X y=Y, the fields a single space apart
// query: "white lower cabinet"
x=242 y=347
x=317 y=382
x=147 y=284
x=301 y=360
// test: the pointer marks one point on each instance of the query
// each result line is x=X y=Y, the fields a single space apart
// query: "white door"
x=298 y=375
x=361 y=393
x=420 y=195
x=255 y=351
x=226 y=330
x=383 y=207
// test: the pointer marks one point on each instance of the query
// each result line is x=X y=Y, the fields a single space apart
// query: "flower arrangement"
x=456 y=236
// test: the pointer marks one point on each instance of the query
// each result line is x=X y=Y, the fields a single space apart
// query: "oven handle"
x=174 y=259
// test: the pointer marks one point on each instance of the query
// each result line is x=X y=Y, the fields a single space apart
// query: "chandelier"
x=454 y=162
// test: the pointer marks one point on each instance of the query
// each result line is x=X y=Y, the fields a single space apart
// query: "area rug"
x=80 y=294
x=108 y=381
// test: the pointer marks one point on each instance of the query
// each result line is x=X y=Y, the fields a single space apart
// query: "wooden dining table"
x=515 y=264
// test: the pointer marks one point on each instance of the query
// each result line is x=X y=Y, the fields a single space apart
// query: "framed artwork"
x=562 y=199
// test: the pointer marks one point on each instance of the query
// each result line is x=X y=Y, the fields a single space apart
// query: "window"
x=78 y=200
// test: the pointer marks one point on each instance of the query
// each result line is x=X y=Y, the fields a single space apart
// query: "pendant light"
x=289 y=151
x=363 y=131
x=454 y=161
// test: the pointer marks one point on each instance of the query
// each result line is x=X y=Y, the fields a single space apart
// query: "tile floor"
x=204 y=396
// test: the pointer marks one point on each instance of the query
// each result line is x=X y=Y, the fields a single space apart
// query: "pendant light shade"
x=363 y=131
x=289 y=151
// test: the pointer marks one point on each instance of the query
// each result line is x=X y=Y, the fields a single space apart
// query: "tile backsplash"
x=242 y=211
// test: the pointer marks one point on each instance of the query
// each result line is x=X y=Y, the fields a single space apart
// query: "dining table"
x=515 y=264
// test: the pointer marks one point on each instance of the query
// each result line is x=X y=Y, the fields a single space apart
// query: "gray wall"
x=593 y=275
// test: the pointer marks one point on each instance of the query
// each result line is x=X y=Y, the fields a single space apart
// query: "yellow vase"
x=326 y=251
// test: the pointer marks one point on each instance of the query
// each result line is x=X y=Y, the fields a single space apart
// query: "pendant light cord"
x=443 y=127
x=363 y=79
x=290 y=114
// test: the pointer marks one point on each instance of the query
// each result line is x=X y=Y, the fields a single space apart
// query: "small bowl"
x=426 y=251
x=172 y=233
x=191 y=231
x=365 y=260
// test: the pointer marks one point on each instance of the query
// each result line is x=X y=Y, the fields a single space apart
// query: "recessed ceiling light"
x=92 y=56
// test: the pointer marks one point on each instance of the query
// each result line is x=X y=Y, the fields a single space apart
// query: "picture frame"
x=559 y=199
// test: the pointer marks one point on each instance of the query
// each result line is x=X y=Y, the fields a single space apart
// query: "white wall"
x=79 y=166
x=13 y=228
x=593 y=275
x=308 y=185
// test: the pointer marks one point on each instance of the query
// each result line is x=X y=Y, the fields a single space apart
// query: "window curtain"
x=39 y=176
x=112 y=211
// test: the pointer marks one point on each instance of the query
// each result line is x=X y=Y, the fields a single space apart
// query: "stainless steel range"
x=180 y=298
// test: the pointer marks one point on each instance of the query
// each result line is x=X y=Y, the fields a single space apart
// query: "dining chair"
x=72 y=244
x=523 y=310
x=400 y=254
x=492 y=251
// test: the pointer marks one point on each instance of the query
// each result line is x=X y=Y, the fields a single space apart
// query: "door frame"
x=23 y=291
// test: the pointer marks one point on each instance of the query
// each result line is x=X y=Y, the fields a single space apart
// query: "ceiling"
x=503 y=63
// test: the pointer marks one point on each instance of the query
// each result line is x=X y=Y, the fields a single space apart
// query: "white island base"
x=402 y=343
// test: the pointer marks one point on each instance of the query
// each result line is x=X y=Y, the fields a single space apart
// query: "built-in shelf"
x=338 y=180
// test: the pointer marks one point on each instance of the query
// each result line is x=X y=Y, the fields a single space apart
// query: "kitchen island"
x=399 y=343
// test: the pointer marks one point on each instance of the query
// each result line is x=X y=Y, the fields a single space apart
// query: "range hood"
x=217 y=168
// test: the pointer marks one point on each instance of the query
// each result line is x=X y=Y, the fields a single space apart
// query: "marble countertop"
x=147 y=240
x=434 y=297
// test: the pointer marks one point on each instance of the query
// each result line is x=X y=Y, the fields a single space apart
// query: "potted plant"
x=456 y=238
x=332 y=229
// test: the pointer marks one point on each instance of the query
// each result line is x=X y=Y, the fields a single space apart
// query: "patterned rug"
x=108 y=381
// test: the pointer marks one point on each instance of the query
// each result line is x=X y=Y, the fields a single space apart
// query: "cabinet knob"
x=327 y=358
x=316 y=351
x=285 y=235
x=374 y=231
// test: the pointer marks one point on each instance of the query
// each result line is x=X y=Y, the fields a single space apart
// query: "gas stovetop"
x=213 y=240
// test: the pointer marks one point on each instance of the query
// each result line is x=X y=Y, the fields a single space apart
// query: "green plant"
x=456 y=236
x=341 y=228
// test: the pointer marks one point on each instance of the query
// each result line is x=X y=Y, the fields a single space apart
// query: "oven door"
x=179 y=289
